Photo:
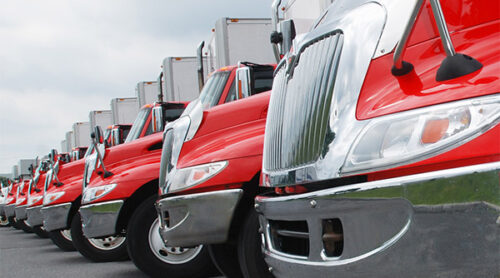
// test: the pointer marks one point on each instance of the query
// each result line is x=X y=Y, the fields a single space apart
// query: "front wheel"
x=4 y=221
x=250 y=254
x=112 y=248
x=24 y=226
x=62 y=239
x=40 y=231
x=148 y=253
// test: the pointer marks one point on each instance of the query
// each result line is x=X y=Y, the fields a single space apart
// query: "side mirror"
x=157 y=119
x=53 y=156
x=97 y=135
x=115 y=136
x=243 y=83
x=287 y=28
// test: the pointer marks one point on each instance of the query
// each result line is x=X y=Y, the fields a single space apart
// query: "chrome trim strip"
x=448 y=173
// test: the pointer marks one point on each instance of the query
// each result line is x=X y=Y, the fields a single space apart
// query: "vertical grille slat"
x=300 y=105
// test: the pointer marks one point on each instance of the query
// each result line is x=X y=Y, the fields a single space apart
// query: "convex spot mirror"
x=97 y=135
x=157 y=119
x=287 y=28
x=53 y=156
x=243 y=82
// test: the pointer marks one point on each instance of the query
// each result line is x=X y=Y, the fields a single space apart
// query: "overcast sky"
x=61 y=59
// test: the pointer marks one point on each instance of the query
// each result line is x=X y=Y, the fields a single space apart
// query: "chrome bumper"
x=56 y=217
x=444 y=223
x=99 y=220
x=203 y=218
x=9 y=210
x=35 y=217
x=2 y=212
x=21 y=212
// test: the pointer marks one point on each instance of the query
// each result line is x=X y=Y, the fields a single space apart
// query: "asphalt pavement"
x=24 y=255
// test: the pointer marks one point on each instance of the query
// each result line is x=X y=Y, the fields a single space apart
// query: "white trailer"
x=70 y=141
x=147 y=92
x=124 y=110
x=24 y=165
x=15 y=172
x=64 y=146
x=102 y=118
x=81 y=133
x=303 y=12
x=180 y=78
x=240 y=39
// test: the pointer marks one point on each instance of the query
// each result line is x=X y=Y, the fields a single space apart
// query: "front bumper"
x=203 y=218
x=35 y=217
x=9 y=210
x=444 y=223
x=99 y=220
x=21 y=212
x=56 y=217
x=2 y=212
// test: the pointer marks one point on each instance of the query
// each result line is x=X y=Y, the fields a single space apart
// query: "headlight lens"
x=20 y=200
x=406 y=137
x=93 y=193
x=191 y=176
x=51 y=197
x=34 y=199
x=8 y=200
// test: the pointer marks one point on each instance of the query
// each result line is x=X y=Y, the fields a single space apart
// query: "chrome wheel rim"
x=169 y=255
x=66 y=234
x=107 y=243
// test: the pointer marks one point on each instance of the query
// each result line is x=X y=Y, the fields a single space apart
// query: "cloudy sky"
x=60 y=59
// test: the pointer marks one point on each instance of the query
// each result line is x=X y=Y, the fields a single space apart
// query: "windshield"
x=212 y=90
x=138 y=125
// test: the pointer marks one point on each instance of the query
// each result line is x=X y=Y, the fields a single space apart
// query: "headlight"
x=406 y=137
x=93 y=193
x=51 y=197
x=20 y=200
x=191 y=176
x=8 y=200
x=33 y=200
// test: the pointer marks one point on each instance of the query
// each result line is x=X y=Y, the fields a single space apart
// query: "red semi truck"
x=125 y=201
x=212 y=157
x=382 y=143
x=61 y=203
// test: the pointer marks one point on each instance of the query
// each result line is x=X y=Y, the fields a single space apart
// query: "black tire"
x=107 y=252
x=40 y=231
x=62 y=241
x=143 y=220
x=250 y=255
x=13 y=223
x=225 y=258
x=22 y=224
x=4 y=222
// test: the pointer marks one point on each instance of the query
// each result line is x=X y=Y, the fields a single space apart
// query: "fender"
x=130 y=177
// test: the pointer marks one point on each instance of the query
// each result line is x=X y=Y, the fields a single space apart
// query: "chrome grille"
x=300 y=104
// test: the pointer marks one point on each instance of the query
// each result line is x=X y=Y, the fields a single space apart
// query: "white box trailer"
x=304 y=12
x=15 y=172
x=240 y=39
x=64 y=146
x=180 y=78
x=102 y=118
x=24 y=165
x=124 y=110
x=70 y=141
x=147 y=92
x=81 y=133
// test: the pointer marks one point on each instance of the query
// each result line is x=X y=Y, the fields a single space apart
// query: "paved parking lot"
x=25 y=255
